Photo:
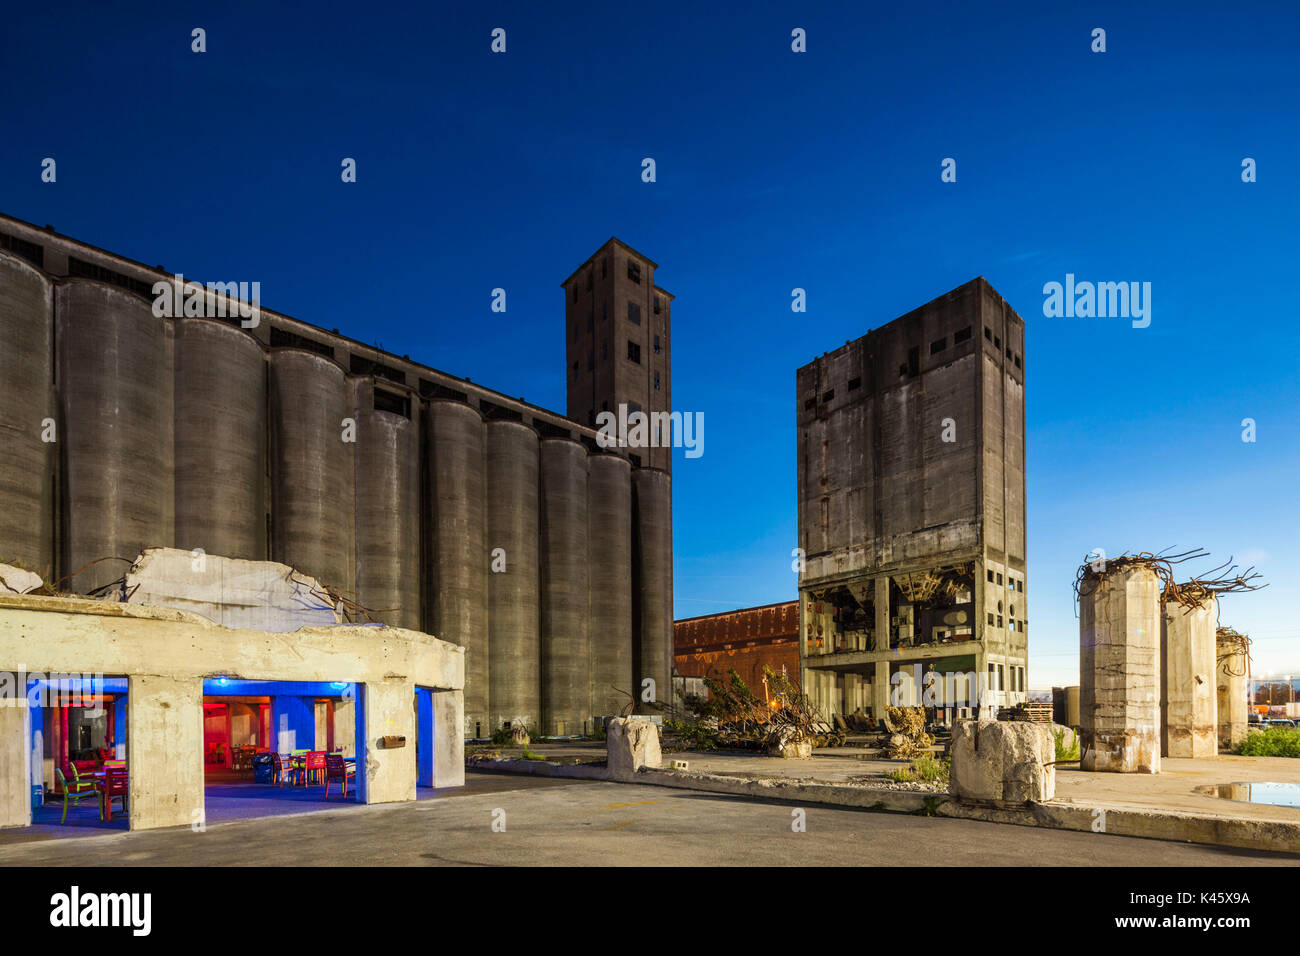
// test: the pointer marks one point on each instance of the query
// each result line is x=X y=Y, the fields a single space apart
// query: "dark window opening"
x=938 y=345
x=636 y=460
x=499 y=413
x=87 y=270
x=634 y=270
x=987 y=334
x=430 y=389
x=914 y=361
x=31 y=251
x=809 y=404
x=656 y=381
x=829 y=395
x=392 y=403
x=283 y=338
x=855 y=383
x=634 y=352
x=961 y=336
x=1017 y=361
x=550 y=429
x=657 y=349
x=658 y=307
x=364 y=366
x=634 y=313
x=997 y=342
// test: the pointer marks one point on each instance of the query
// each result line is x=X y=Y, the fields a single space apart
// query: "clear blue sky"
x=775 y=170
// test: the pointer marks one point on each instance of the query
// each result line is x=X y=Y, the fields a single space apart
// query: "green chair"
x=75 y=792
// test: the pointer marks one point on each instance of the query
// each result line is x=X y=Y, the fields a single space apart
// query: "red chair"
x=336 y=768
x=313 y=767
x=113 y=785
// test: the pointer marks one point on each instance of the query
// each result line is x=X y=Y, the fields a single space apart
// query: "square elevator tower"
x=617 y=330
x=911 y=462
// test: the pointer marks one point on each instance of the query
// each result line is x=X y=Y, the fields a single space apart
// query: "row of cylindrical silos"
x=551 y=564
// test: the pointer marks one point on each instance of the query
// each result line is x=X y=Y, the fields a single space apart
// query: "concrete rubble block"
x=998 y=761
x=1119 y=670
x=17 y=581
x=787 y=742
x=252 y=595
x=631 y=743
x=1069 y=737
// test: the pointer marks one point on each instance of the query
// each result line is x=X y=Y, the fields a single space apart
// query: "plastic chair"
x=313 y=767
x=278 y=769
x=336 y=768
x=113 y=785
x=74 y=792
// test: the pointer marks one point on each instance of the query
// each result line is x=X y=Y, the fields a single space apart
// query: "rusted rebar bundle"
x=1091 y=572
x=1233 y=651
x=1200 y=589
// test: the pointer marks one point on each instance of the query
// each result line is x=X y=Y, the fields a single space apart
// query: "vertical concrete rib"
x=609 y=523
x=565 y=595
x=653 y=496
x=220 y=402
x=514 y=641
x=1188 y=699
x=27 y=465
x=388 y=506
x=458 y=539
x=115 y=392
x=312 y=467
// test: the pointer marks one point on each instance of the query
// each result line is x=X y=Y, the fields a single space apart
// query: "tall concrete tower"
x=911 y=456
x=617 y=330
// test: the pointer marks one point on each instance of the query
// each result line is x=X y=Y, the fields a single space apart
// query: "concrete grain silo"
x=115 y=391
x=220 y=407
x=457 y=511
x=565 y=597
x=514 y=644
x=27 y=464
x=654 y=563
x=609 y=523
x=388 y=502
x=311 y=467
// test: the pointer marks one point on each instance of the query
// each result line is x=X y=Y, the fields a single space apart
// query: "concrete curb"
x=1278 y=836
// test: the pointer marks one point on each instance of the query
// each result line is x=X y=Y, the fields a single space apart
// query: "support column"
x=1189 y=705
x=880 y=688
x=389 y=772
x=448 y=740
x=15 y=761
x=165 y=728
x=882 y=613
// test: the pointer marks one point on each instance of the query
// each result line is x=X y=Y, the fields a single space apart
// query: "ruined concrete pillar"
x=165 y=736
x=15 y=761
x=882 y=613
x=1230 y=681
x=1119 y=669
x=1188 y=695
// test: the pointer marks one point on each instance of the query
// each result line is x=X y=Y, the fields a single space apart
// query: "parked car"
x=1279 y=722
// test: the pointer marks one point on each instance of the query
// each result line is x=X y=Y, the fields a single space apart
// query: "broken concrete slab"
x=1004 y=762
x=631 y=743
x=17 y=581
x=253 y=595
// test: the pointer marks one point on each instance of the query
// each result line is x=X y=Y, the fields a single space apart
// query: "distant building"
x=911 y=462
x=743 y=640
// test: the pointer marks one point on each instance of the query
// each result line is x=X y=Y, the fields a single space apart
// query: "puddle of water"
x=1276 y=794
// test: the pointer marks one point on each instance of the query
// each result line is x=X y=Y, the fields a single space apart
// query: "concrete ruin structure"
x=451 y=509
x=1120 y=612
x=912 y=523
x=1065 y=706
x=1189 y=722
x=403 y=692
x=1232 y=679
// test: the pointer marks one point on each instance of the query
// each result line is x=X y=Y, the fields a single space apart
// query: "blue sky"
x=775 y=170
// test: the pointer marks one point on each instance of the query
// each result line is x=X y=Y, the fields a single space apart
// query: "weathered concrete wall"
x=1230 y=697
x=1119 y=671
x=1188 y=699
x=167 y=653
x=165 y=730
x=15 y=778
x=449 y=744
